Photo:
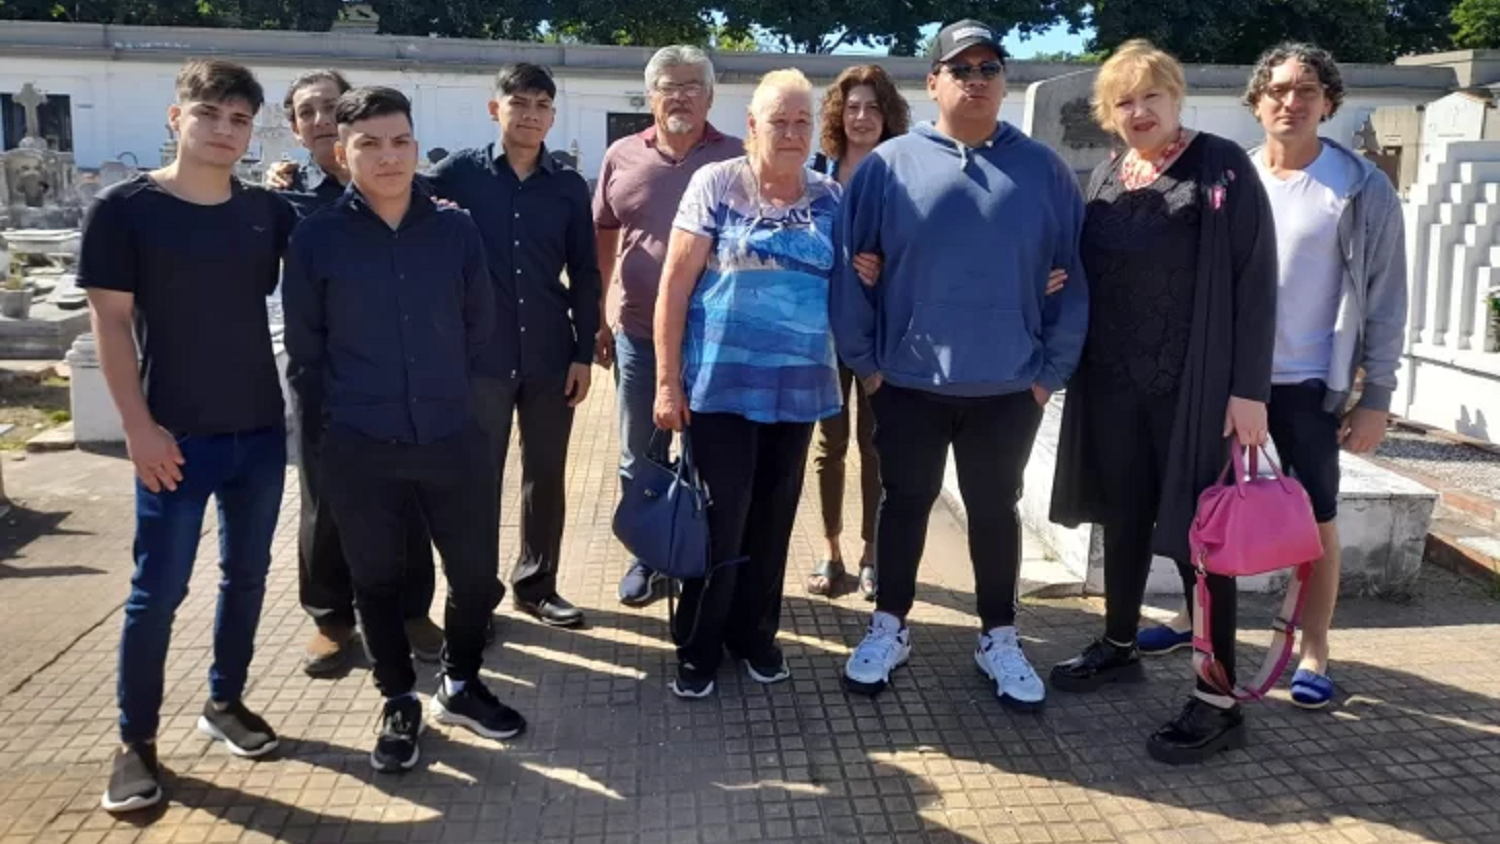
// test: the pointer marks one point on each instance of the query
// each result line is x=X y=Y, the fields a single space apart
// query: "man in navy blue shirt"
x=388 y=303
x=536 y=219
x=178 y=263
x=322 y=572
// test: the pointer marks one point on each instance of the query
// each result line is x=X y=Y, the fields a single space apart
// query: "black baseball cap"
x=957 y=37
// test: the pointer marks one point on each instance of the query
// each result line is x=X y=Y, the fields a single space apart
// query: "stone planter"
x=16 y=304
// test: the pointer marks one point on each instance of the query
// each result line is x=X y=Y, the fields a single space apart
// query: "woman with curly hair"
x=861 y=109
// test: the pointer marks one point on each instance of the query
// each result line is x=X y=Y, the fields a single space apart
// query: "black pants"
x=754 y=472
x=546 y=423
x=1131 y=433
x=371 y=485
x=323 y=584
x=991 y=440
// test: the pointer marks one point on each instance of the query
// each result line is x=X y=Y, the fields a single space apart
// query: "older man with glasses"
x=640 y=186
x=961 y=346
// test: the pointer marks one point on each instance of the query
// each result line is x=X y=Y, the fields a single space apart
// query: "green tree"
x=1420 y=26
x=821 y=26
x=1238 y=31
x=1478 y=24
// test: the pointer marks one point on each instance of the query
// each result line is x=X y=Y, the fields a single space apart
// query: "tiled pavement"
x=1413 y=754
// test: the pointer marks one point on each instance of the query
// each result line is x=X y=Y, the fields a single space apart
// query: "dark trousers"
x=323 y=583
x=832 y=447
x=991 y=440
x=1131 y=433
x=546 y=423
x=245 y=473
x=754 y=472
x=371 y=486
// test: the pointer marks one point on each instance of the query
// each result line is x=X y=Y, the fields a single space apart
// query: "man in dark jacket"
x=388 y=303
x=536 y=221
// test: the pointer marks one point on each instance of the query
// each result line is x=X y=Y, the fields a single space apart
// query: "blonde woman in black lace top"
x=1179 y=248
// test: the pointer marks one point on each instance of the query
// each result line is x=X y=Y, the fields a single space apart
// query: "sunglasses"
x=965 y=72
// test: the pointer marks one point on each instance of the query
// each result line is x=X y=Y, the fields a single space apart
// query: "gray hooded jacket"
x=1371 y=329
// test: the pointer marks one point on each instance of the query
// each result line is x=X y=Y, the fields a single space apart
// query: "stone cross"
x=30 y=99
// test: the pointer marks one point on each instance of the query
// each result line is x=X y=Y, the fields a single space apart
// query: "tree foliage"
x=821 y=26
x=1226 y=31
x=1477 y=23
x=1237 y=31
x=309 y=15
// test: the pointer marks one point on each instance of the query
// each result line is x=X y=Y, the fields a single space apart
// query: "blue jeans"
x=245 y=472
x=635 y=394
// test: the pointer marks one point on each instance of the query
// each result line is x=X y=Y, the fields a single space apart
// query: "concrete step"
x=59 y=438
x=1459 y=546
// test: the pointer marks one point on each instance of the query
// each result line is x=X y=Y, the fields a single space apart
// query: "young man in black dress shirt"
x=178 y=262
x=536 y=219
x=388 y=302
x=322 y=572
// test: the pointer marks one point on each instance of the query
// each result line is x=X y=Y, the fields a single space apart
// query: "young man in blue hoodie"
x=958 y=345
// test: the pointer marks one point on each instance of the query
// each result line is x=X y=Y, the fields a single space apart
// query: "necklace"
x=1137 y=172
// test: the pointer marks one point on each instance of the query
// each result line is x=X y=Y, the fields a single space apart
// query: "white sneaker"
x=886 y=647
x=1000 y=657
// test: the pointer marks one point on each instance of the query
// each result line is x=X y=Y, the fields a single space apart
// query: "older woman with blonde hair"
x=745 y=364
x=1179 y=247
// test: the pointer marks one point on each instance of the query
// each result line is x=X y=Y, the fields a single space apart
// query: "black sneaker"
x=767 y=667
x=477 y=709
x=242 y=731
x=1102 y=662
x=135 y=782
x=690 y=684
x=400 y=724
x=1199 y=732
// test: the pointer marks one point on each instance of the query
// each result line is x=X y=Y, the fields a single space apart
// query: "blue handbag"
x=662 y=518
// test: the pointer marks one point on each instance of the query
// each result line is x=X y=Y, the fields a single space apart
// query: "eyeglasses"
x=965 y=72
x=691 y=90
x=1305 y=92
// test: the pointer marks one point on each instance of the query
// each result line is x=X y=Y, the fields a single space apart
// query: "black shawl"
x=1229 y=351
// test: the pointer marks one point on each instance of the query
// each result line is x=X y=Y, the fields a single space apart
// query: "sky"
x=1054 y=40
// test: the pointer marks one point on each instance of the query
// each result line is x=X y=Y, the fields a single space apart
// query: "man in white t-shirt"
x=1341 y=308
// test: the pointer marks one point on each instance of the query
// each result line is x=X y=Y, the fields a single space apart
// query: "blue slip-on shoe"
x=1311 y=690
x=1161 y=639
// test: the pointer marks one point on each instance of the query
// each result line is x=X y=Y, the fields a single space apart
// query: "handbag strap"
x=1284 y=623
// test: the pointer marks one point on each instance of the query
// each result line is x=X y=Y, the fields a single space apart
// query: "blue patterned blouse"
x=758 y=342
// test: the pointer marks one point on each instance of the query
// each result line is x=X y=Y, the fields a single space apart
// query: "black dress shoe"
x=1101 y=662
x=1199 y=732
x=552 y=611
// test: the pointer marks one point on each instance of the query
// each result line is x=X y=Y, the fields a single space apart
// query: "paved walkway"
x=1412 y=754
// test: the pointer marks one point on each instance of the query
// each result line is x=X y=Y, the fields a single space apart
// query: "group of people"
x=945 y=279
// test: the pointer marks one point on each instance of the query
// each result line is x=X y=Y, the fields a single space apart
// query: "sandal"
x=867 y=581
x=1311 y=690
x=825 y=578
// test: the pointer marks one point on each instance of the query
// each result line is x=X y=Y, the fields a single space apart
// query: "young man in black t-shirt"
x=179 y=262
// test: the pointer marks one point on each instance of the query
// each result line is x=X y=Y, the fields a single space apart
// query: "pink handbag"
x=1252 y=526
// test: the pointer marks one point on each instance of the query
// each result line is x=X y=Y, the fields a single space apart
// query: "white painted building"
x=114 y=83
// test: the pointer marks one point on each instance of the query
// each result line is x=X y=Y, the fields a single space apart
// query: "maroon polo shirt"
x=640 y=187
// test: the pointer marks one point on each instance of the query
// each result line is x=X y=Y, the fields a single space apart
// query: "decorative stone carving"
x=38 y=182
